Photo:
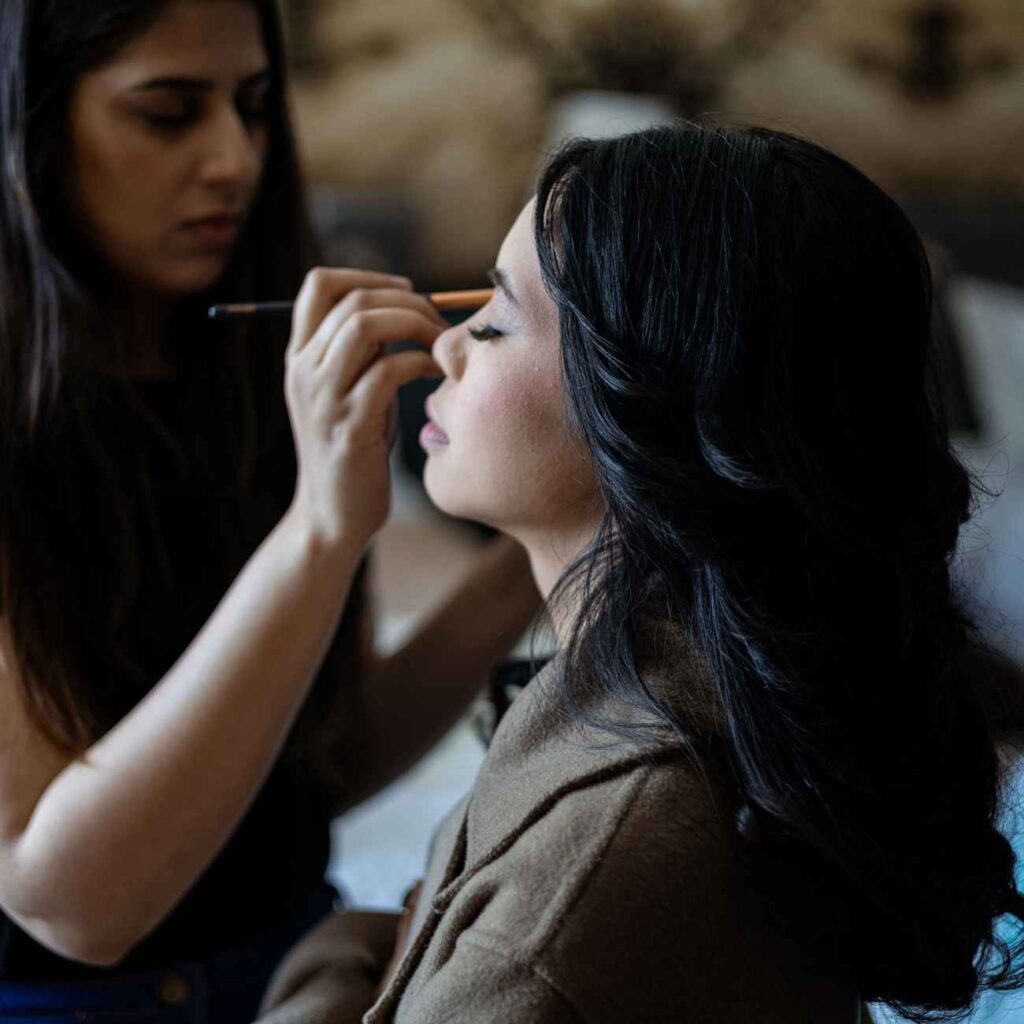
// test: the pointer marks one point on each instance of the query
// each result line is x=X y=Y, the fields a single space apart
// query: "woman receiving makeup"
x=187 y=687
x=758 y=782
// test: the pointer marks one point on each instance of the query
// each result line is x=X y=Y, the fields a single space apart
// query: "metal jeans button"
x=173 y=990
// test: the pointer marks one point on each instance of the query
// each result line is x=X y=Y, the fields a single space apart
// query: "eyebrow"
x=197 y=84
x=500 y=280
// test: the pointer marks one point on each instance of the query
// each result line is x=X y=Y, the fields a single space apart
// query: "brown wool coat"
x=583 y=879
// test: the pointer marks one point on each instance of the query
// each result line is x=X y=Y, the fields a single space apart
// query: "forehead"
x=519 y=247
x=518 y=259
x=216 y=40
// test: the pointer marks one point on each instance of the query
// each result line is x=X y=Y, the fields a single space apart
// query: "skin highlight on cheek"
x=513 y=460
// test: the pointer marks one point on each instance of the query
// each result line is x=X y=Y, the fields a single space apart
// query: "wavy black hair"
x=745 y=327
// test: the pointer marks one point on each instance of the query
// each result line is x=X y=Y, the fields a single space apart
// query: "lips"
x=432 y=435
x=216 y=232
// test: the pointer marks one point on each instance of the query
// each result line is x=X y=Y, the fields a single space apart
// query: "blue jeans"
x=223 y=988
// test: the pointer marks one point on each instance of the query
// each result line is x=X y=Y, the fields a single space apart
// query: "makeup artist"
x=188 y=691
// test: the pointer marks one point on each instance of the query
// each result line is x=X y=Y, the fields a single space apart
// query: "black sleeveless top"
x=195 y=534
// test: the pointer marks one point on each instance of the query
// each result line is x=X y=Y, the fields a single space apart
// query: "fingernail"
x=407 y=281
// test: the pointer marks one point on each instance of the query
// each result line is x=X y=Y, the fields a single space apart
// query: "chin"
x=194 y=283
x=446 y=495
x=435 y=488
x=182 y=281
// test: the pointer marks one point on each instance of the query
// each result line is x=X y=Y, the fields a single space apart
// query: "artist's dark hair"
x=745 y=324
x=72 y=479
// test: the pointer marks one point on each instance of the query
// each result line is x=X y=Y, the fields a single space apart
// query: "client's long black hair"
x=745 y=323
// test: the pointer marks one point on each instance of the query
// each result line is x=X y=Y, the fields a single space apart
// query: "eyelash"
x=169 y=122
x=485 y=333
x=256 y=113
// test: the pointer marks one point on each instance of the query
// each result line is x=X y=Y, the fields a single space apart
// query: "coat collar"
x=539 y=753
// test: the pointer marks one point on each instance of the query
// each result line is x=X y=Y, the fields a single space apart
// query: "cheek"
x=506 y=416
x=121 y=201
x=510 y=422
x=512 y=460
x=122 y=184
x=131 y=226
x=126 y=192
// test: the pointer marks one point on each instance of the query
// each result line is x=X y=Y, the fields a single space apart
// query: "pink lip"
x=218 y=232
x=432 y=436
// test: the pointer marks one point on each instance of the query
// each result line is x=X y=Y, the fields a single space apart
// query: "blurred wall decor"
x=920 y=93
x=442 y=106
x=679 y=49
x=415 y=101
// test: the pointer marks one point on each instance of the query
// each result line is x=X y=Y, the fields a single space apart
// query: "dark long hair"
x=745 y=323
x=76 y=498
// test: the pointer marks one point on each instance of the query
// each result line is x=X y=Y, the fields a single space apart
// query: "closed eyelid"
x=167 y=107
x=501 y=310
x=502 y=285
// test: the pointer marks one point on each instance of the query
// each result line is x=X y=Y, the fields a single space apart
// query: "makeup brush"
x=261 y=310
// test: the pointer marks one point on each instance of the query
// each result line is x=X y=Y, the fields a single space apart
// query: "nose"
x=232 y=156
x=449 y=351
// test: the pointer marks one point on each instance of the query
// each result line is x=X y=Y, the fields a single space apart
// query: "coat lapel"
x=537 y=756
x=449 y=850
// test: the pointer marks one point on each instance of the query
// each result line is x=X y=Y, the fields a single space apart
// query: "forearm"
x=120 y=834
x=413 y=697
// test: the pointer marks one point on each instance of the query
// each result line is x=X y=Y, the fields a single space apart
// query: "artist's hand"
x=341 y=387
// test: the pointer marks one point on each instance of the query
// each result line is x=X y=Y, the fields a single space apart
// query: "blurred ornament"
x=946 y=51
x=923 y=95
x=443 y=108
x=418 y=107
x=679 y=49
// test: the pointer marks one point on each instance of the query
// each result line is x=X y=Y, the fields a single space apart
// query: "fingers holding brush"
x=367 y=300
x=373 y=396
x=341 y=386
x=361 y=340
x=324 y=288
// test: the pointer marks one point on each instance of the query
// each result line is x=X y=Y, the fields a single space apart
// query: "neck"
x=551 y=553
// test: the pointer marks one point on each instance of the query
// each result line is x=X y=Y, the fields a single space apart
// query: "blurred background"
x=423 y=123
